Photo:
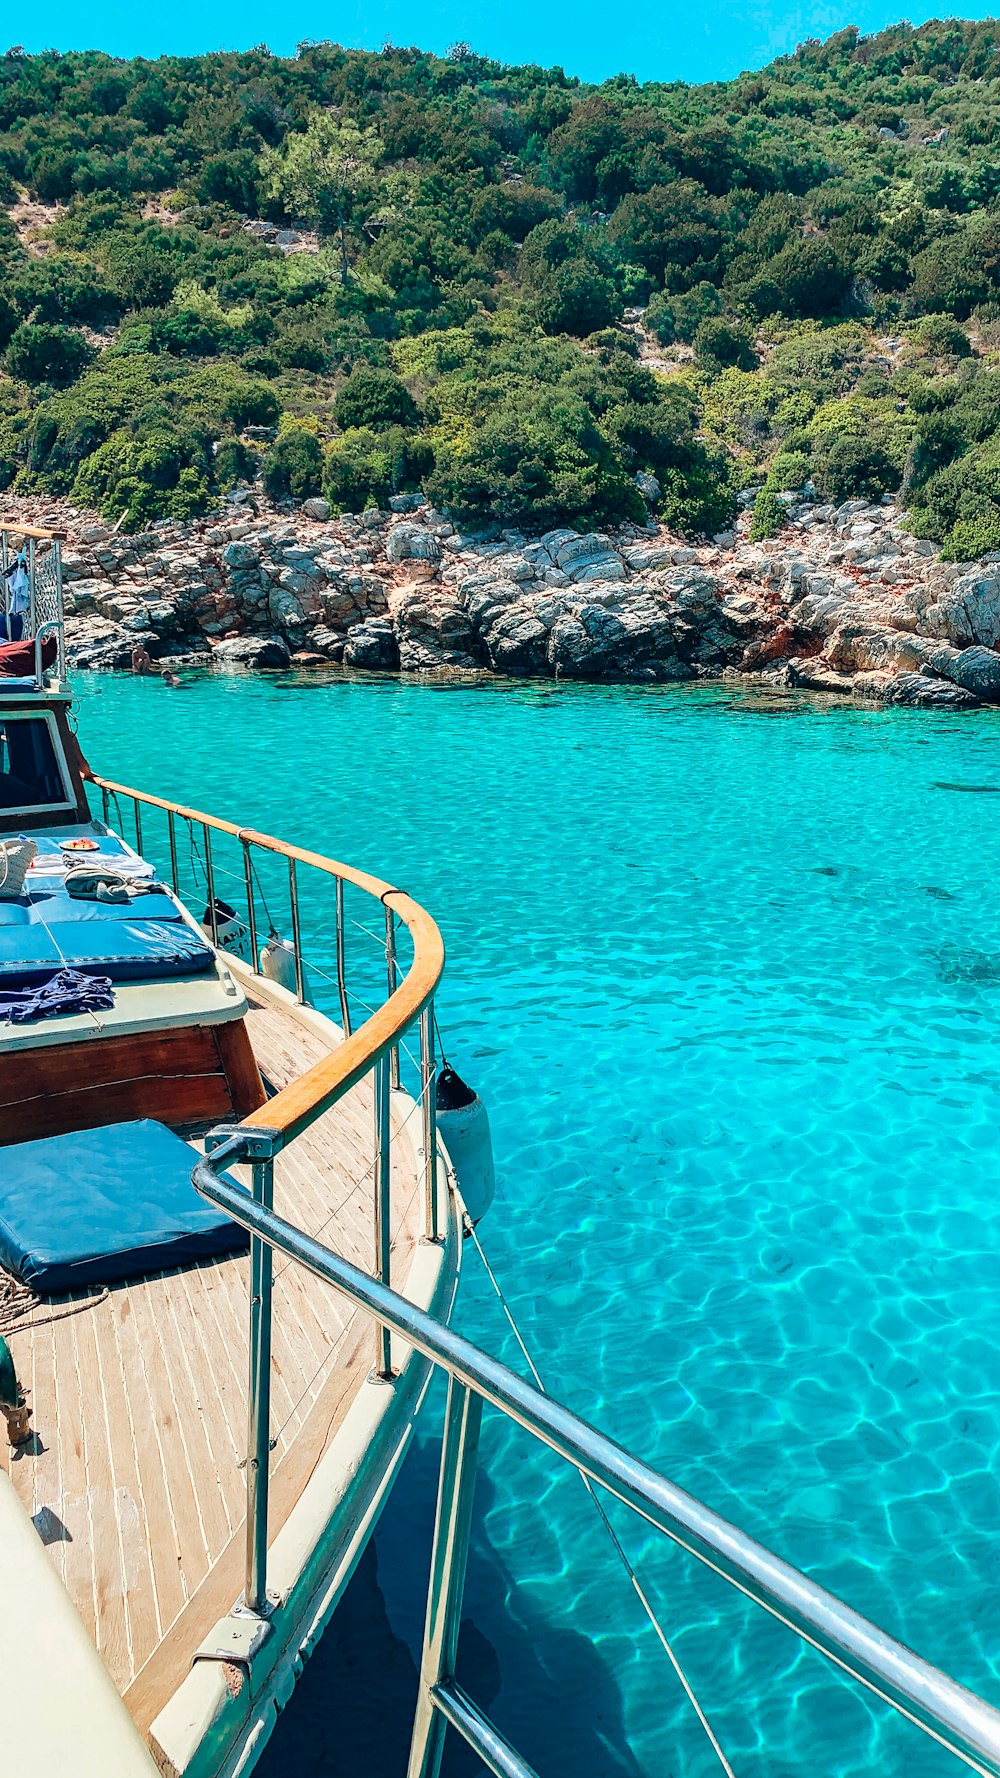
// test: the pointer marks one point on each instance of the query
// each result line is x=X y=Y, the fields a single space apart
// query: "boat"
x=232 y=1239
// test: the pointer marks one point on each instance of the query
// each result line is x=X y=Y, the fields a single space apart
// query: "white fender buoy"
x=232 y=933
x=464 y=1127
x=277 y=963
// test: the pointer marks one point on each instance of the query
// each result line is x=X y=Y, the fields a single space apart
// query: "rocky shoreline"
x=843 y=600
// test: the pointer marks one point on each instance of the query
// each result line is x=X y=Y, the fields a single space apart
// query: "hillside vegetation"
x=510 y=289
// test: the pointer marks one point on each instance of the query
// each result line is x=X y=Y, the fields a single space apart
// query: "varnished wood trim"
x=239 y=1065
x=33 y=531
x=178 y=1077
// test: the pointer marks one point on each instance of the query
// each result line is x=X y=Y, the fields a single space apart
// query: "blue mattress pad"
x=130 y=949
x=97 y=1206
x=46 y=906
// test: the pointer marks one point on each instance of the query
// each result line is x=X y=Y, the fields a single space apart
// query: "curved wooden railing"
x=297 y=1106
x=373 y=1048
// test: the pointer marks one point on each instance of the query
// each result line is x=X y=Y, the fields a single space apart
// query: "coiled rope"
x=18 y=1302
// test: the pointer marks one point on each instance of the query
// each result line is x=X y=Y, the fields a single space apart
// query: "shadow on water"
x=546 y=1685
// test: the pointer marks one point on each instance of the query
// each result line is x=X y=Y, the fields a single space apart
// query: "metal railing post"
x=105 y=806
x=138 y=826
x=293 y=893
x=259 y=1431
x=33 y=614
x=449 y=1555
x=345 y=1010
x=428 y=1106
x=251 y=910
x=213 y=916
x=383 y=1230
x=392 y=978
x=57 y=549
x=172 y=832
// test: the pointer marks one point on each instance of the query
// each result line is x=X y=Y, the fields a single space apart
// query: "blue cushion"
x=44 y=909
x=100 y=1205
x=125 y=950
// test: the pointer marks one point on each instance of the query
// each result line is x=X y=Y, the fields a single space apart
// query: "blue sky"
x=672 y=41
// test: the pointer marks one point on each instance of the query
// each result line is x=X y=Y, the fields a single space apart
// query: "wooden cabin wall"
x=192 y=1076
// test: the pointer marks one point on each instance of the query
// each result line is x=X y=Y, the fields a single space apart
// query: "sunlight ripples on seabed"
x=731 y=990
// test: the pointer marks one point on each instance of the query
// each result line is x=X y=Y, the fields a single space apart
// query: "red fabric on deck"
x=17 y=659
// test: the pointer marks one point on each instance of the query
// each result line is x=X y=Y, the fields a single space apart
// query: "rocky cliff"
x=842 y=600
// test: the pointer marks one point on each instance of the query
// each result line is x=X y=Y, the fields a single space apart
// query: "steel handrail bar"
x=298 y=1105
x=962 y=1722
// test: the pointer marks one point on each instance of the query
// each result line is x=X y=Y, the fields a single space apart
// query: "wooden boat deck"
x=134 y=1476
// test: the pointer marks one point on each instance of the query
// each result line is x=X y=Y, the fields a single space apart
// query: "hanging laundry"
x=17 y=598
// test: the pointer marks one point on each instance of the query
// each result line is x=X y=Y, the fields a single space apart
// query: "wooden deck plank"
x=140 y=1400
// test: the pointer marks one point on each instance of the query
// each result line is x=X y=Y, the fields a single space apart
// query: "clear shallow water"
x=727 y=973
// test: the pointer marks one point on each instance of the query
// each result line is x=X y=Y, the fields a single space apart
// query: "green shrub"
x=187 y=335
x=790 y=470
x=63 y=289
x=164 y=475
x=224 y=392
x=38 y=353
x=679 y=317
x=141 y=276
x=969 y=538
x=720 y=344
x=363 y=468
x=234 y=462
x=849 y=468
x=293 y=467
x=768 y=516
x=9 y=319
x=940 y=336
x=372 y=399
x=575 y=298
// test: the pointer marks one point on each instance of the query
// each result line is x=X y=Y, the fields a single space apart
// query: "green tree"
x=721 y=344
x=324 y=174
x=374 y=398
x=39 y=353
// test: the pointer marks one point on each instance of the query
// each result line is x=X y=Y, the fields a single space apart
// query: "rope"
x=273 y=930
x=18 y=1300
x=602 y=1515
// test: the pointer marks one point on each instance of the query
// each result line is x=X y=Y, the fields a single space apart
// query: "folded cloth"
x=68 y=991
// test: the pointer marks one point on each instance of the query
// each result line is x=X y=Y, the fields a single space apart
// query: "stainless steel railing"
x=959 y=1720
x=370 y=1049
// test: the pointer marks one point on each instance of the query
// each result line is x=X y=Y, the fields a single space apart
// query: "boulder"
x=589 y=558
x=372 y=644
x=978 y=670
x=967 y=611
x=252 y=651
x=409 y=542
x=326 y=642
x=100 y=645
x=316 y=508
x=919 y=689
x=648 y=487
x=517 y=642
x=241 y=553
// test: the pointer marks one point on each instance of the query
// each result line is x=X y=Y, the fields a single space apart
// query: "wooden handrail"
x=34 y=531
x=299 y=1104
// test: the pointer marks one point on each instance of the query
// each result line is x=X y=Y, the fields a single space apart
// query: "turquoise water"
x=726 y=970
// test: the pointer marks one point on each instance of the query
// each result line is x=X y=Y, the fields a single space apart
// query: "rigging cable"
x=609 y=1528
